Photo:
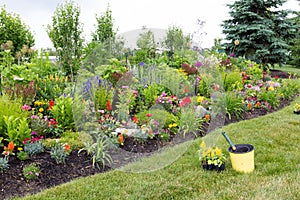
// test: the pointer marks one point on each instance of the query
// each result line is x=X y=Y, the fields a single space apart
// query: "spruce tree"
x=262 y=30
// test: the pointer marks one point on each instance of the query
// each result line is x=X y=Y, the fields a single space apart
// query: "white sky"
x=130 y=15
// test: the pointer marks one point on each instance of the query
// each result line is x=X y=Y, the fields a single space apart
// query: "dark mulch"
x=79 y=165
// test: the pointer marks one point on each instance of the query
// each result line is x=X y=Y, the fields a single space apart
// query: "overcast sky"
x=130 y=15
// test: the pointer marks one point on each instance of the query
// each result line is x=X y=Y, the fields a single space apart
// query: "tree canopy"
x=14 y=30
x=261 y=30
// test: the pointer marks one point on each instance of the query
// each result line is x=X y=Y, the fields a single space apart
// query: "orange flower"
x=249 y=106
x=67 y=147
x=207 y=117
x=257 y=104
x=121 y=139
x=10 y=146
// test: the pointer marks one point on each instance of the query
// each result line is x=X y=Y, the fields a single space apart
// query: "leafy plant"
x=98 y=151
x=63 y=113
x=31 y=171
x=231 y=79
x=59 y=152
x=17 y=129
x=269 y=96
x=34 y=147
x=4 y=164
x=22 y=155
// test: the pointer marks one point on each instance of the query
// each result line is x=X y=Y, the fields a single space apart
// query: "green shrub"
x=22 y=155
x=63 y=113
x=231 y=79
x=288 y=89
x=269 y=96
x=11 y=108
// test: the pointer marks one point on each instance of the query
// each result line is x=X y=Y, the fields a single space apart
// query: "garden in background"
x=105 y=109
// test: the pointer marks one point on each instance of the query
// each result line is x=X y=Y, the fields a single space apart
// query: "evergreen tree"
x=260 y=30
x=295 y=45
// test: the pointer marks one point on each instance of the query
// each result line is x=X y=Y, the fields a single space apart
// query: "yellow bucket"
x=242 y=159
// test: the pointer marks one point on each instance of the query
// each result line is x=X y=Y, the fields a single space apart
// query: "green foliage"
x=263 y=32
x=189 y=121
x=14 y=30
x=9 y=108
x=288 y=89
x=104 y=27
x=98 y=151
x=58 y=153
x=176 y=40
x=4 y=164
x=34 y=147
x=146 y=41
x=234 y=105
x=270 y=96
x=232 y=80
x=295 y=44
x=31 y=171
x=17 y=129
x=22 y=155
x=65 y=34
x=63 y=113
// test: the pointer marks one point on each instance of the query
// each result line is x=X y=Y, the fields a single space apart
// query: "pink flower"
x=26 y=107
x=148 y=115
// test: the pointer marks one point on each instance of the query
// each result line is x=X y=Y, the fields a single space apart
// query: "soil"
x=79 y=165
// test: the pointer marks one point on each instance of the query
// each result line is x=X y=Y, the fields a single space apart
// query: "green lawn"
x=276 y=138
x=290 y=69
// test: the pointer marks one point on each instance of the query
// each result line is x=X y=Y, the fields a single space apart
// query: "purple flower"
x=142 y=63
x=232 y=55
x=198 y=64
x=33 y=133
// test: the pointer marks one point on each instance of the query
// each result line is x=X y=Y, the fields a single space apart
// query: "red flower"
x=148 y=115
x=108 y=105
x=51 y=104
x=67 y=147
x=52 y=122
x=185 y=100
x=135 y=119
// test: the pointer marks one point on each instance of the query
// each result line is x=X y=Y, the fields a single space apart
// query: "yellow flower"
x=236 y=42
x=218 y=151
x=41 y=109
x=51 y=77
x=20 y=148
x=202 y=145
x=200 y=99
x=271 y=88
x=125 y=131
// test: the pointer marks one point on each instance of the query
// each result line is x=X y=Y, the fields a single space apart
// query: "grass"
x=290 y=69
x=276 y=176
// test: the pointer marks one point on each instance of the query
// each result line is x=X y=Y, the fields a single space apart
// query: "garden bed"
x=79 y=165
